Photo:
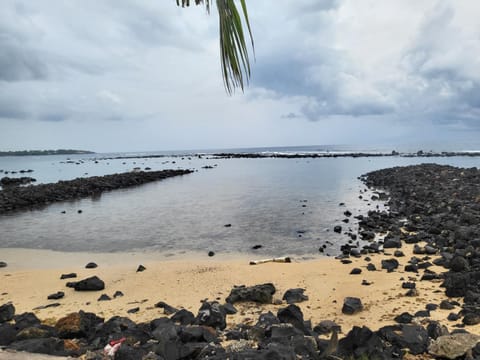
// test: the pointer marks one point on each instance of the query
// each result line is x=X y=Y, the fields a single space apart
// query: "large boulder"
x=259 y=293
x=352 y=305
x=453 y=346
x=93 y=283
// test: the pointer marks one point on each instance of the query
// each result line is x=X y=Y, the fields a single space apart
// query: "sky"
x=143 y=75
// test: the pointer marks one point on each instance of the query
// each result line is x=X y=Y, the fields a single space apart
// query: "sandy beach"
x=183 y=282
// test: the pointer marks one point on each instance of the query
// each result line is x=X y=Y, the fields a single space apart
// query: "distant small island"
x=44 y=152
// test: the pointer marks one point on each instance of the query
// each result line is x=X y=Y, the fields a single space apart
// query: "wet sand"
x=184 y=281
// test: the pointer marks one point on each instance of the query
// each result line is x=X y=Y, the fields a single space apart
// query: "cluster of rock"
x=182 y=335
x=28 y=197
x=8 y=181
x=314 y=155
x=439 y=206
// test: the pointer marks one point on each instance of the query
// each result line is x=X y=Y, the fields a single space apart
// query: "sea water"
x=288 y=206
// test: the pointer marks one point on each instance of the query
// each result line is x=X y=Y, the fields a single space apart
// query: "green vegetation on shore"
x=44 y=152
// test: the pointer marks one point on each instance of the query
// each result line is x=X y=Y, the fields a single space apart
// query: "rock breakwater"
x=28 y=197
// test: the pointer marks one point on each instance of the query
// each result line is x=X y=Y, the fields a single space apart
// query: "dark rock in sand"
x=294 y=316
x=141 y=268
x=212 y=314
x=398 y=253
x=117 y=294
x=337 y=229
x=446 y=305
x=183 y=317
x=453 y=317
x=133 y=310
x=409 y=285
x=104 y=297
x=256 y=247
x=371 y=267
x=258 y=293
x=355 y=271
x=293 y=296
x=412 y=337
x=56 y=296
x=403 y=318
x=3 y=264
x=471 y=319
x=352 y=305
x=362 y=342
x=390 y=264
x=211 y=253
x=392 y=242
x=7 y=311
x=90 y=284
x=167 y=309
x=91 y=265
x=68 y=276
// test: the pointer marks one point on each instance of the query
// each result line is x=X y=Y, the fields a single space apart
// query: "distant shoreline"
x=45 y=152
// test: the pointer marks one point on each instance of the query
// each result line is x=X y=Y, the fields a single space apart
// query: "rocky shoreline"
x=13 y=198
x=434 y=208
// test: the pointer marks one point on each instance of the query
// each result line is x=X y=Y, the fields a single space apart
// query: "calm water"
x=287 y=205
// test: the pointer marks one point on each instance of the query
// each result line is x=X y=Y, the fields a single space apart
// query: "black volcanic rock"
x=293 y=296
x=14 y=198
x=93 y=283
x=259 y=293
x=7 y=311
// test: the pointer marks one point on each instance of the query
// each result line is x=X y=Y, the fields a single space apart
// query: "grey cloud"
x=17 y=62
x=317 y=77
x=449 y=92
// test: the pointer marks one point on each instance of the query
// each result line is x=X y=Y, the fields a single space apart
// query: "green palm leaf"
x=233 y=48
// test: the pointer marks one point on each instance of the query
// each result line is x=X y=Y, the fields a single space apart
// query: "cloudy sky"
x=139 y=75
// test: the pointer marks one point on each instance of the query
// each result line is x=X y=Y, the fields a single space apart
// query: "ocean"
x=288 y=206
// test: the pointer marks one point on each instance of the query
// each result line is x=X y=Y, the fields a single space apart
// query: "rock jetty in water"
x=28 y=197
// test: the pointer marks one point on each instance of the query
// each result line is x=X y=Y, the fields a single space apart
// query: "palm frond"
x=235 y=61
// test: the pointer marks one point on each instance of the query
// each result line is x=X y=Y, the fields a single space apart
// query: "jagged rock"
x=453 y=346
x=352 y=305
x=390 y=264
x=293 y=315
x=76 y=325
x=413 y=337
x=212 y=314
x=293 y=296
x=258 y=293
x=7 y=311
